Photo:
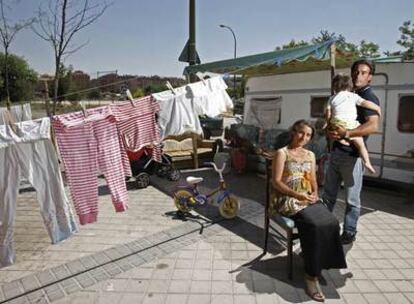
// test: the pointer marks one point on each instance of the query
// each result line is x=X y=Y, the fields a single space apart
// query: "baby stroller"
x=142 y=166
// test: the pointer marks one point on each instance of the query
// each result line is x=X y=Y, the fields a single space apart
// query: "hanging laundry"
x=204 y=104
x=218 y=89
x=210 y=97
x=99 y=114
x=177 y=112
x=137 y=125
x=29 y=152
x=19 y=112
x=86 y=145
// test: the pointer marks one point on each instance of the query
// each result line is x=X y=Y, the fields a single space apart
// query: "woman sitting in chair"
x=296 y=196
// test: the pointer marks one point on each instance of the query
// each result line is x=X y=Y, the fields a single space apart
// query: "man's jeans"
x=350 y=170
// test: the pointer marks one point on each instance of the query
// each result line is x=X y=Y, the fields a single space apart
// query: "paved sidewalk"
x=209 y=260
x=34 y=252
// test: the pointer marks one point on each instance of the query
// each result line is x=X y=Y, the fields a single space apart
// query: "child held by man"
x=341 y=110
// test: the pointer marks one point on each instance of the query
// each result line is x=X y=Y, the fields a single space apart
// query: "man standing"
x=345 y=164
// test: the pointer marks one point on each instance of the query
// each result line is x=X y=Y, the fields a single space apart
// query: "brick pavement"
x=178 y=264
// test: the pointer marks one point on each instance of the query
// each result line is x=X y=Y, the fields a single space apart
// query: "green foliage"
x=407 y=40
x=67 y=89
x=154 y=88
x=94 y=94
x=139 y=92
x=239 y=92
x=325 y=35
x=368 y=49
x=22 y=79
x=364 y=49
x=292 y=44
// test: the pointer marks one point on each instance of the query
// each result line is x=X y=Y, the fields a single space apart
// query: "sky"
x=145 y=37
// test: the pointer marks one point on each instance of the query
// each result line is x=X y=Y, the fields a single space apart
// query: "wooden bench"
x=189 y=150
x=287 y=224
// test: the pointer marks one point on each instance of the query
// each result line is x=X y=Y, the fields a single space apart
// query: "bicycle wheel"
x=181 y=200
x=229 y=207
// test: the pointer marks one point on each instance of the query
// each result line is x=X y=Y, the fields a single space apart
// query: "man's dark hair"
x=367 y=62
x=341 y=82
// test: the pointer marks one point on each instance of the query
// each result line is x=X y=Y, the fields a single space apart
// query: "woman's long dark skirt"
x=319 y=238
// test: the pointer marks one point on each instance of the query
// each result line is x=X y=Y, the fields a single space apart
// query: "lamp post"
x=235 y=48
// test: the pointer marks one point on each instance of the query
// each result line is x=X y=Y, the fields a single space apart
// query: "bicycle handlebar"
x=215 y=167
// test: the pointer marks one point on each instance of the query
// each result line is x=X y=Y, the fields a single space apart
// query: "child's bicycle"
x=187 y=197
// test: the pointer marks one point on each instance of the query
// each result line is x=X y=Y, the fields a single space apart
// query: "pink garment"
x=87 y=144
x=137 y=126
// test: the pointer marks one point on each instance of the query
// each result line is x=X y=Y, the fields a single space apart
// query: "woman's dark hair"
x=298 y=125
x=368 y=63
x=341 y=82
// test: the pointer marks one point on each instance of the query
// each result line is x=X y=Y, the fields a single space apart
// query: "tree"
x=67 y=86
x=407 y=40
x=292 y=44
x=341 y=43
x=7 y=33
x=368 y=49
x=154 y=88
x=139 y=92
x=364 y=49
x=59 y=24
x=22 y=79
x=94 y=94
x=324 y=36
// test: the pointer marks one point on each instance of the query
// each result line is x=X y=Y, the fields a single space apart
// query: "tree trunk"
x=6 y=76
x=47 y=98
x=56 y=85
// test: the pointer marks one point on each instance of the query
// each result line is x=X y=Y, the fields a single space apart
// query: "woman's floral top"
x=297 y=175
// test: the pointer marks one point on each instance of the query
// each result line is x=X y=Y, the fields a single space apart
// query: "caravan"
x=289 y=96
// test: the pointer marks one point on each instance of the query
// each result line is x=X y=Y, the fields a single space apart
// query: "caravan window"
x=318 y=105
x=405 y=114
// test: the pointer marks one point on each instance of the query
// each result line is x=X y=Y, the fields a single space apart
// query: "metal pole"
x=235 y=54
x=192 y=39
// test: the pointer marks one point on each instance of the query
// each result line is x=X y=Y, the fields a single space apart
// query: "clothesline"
x=98 y=87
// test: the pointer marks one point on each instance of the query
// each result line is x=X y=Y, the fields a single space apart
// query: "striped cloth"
x=87 y=144
x=137 y=124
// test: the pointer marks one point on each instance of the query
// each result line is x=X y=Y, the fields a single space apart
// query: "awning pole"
x=332 y=56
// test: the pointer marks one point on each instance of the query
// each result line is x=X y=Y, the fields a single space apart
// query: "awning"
x=269 y=60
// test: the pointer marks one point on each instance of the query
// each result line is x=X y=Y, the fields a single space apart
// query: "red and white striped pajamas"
x=87 y=144
x=137 y=126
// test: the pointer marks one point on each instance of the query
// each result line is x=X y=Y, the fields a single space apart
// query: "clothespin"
x=83 y=108
x=169 y=86
x=10 y=120
x=129 y=96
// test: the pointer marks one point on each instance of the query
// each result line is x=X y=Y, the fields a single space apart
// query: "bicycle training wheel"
x=181 y=200
x=229 y=208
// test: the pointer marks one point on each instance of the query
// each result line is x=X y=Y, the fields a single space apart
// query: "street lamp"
x=235 y=48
